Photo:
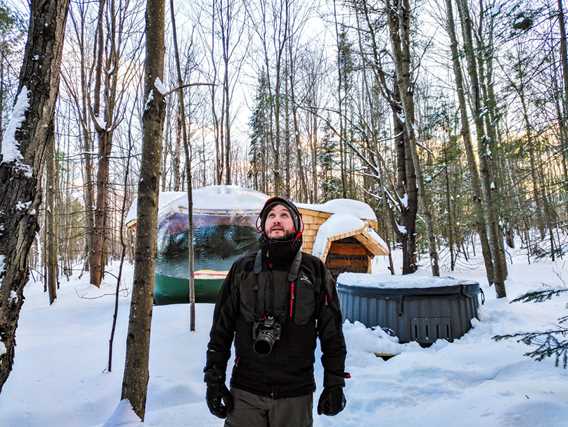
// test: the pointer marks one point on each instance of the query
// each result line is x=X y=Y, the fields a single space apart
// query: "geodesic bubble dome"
x=224 y=222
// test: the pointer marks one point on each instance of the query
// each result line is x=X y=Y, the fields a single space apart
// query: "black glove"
x=219 y=399
x=332 y=401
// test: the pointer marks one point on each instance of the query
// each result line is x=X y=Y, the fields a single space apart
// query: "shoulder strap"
x=257 y=262
x=295 y=268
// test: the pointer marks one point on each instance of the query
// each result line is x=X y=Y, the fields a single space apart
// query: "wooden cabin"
x=350 y=251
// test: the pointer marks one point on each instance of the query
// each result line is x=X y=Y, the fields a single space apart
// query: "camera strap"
x=291 y=278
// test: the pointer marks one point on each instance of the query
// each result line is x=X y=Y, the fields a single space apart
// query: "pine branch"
x=539 y=296
x=549 y=344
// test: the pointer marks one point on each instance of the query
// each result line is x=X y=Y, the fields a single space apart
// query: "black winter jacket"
x=312 y=310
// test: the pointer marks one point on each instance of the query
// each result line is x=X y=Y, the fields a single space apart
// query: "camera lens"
x=262 y=347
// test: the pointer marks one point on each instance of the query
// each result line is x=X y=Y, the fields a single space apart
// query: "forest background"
x=448 y=117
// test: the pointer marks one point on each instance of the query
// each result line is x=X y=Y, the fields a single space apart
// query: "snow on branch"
x=539 y=296
x=149 y=100
x=159 y=85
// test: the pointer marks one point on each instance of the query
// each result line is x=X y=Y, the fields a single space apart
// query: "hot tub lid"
x=374 y=285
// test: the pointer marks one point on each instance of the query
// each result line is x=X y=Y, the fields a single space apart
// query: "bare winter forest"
x=448 y=117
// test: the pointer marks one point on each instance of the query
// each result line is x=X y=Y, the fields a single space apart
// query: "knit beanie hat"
x=294 y=213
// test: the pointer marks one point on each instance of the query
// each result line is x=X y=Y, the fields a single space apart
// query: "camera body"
x=265 y=333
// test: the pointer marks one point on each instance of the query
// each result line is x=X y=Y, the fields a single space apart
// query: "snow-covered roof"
x=336 y=224
x=375 y=236
x=343 y=206
x=388 y=281
x=212 y=198
x=342 y=225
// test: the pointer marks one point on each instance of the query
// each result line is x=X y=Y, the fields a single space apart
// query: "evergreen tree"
x=327 y=156
x=259 y=133
x=548 y=343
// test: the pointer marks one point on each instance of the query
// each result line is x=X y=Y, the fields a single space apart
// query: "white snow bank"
x=211 y=198
x=360 y=339
x=388 y=281
x=123 y=415
x=335 y=224
x=344 y=206
x=10 y=147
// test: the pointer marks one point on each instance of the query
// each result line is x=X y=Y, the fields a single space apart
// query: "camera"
x=265 y=333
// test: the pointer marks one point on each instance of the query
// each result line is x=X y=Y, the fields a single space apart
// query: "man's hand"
x=332 y=401
x=219 y=399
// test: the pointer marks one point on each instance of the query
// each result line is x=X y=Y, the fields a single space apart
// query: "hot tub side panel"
x=421 y=318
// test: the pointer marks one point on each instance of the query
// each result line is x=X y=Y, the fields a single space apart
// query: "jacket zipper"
x=292 y=298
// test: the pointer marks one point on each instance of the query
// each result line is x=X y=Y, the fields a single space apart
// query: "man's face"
x=279 y=222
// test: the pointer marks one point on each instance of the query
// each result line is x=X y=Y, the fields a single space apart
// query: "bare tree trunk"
x=19 y=176
x=287 y=184
x=399 y=30
x=50 y=213
x=78 y=24
x=530 y=144
x=500 y=266
x=104 y=135
x=480 y=222
x=340 y=105
x=1 y=100
x=296 y=129
x=97 y=240
x=449 y=204
x=177 y=151
x=226 y=95
x=135 y=380
x=564 y=60
x=187 y=147
x=406 y=185
x=122 y=245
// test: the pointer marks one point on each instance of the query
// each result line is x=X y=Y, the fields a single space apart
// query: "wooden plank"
x=349 y=264
x=313 y=212
x=310 y=220
x=313 y=227
x=371 y=244
x=340 y=248
x=343 y=268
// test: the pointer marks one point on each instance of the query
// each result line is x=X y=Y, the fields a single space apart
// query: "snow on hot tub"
x=412 y=307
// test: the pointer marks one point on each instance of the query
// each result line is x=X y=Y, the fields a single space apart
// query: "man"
x=275 y=303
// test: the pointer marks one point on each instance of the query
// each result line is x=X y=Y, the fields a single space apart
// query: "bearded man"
x=275 y=303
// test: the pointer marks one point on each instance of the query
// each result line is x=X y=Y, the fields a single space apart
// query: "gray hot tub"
x=423 y=314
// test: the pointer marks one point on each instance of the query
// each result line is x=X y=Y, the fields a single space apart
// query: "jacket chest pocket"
x=305 y=301
x=248 y=296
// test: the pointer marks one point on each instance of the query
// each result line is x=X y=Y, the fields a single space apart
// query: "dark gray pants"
x=252 y=410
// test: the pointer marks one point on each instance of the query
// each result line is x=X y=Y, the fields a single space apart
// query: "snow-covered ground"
x=60 y=378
